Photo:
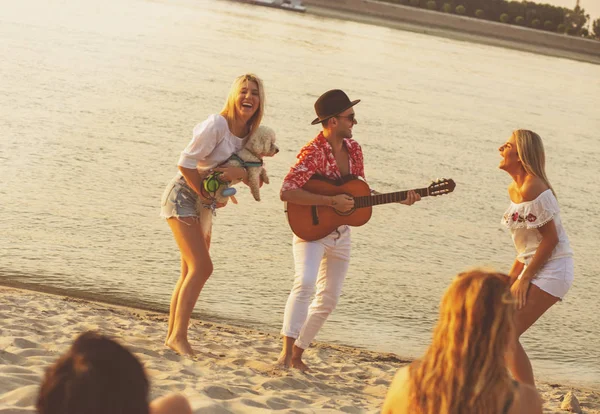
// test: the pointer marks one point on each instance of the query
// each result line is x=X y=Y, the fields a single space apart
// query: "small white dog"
x=261 y=143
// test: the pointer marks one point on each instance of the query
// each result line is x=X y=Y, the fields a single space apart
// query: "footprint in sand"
x=259 y=366
x=264 y=350
x=30 y=352
x=284 y=384
x=294 y=397
x=254 y=404
x=219 y=393
x=11 y=369
x=145 y=352
x=22 y=397
x=351 y=409
x=277 y=404
x=243 y=390
x=8 y=358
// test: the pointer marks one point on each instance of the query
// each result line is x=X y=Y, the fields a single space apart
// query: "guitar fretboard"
x=374 y=200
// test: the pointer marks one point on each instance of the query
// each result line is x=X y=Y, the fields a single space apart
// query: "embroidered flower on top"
x=531 y=218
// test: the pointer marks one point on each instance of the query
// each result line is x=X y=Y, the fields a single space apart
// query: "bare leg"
x=194 y=251
x=174 y=297
x=538 y=302
x=285 y=358
x=297 y=359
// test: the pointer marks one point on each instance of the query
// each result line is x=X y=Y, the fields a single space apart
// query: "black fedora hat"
x=332 y=103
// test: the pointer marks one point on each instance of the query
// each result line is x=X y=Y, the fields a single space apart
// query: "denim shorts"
x=178 y=200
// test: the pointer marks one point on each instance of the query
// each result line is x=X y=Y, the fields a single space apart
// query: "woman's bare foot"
x=180 y=345
x=298 y=364
x=284 y=360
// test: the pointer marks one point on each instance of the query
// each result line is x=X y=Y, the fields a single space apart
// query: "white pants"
x=321 y=265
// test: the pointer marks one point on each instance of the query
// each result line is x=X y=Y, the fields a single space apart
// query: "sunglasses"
x=351 y=117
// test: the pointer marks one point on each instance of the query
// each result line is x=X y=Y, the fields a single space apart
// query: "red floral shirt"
x=317 y=157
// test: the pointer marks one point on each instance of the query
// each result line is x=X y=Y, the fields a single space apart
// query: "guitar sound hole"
x=345 y=213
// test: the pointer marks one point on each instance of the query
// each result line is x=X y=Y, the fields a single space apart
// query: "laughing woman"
x=213 y=142
x=542 y=272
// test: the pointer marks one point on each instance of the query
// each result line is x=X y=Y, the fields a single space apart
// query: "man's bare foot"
x=284 y=360
x=181 y=346
x=298 y=364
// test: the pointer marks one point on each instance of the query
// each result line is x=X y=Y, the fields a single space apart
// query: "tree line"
x=574 y=22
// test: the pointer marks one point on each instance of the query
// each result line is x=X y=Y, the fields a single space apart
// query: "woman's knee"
x=200 y=272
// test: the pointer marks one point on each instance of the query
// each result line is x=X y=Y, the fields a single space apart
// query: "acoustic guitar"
x=315 y=222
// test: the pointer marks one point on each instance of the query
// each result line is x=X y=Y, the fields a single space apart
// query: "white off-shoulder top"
x=523 y=220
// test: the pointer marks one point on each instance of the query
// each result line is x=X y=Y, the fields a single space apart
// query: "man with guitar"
x=321 y=264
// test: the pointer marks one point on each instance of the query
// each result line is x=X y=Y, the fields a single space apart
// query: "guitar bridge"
x=315 y=215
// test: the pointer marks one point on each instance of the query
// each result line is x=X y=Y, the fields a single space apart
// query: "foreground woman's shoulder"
x=397 y=394
x=528 y=401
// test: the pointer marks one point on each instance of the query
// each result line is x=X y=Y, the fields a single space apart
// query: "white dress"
x=523 y=220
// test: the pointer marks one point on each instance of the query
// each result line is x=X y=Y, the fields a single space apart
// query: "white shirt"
x=523 y=220
x=212 y=143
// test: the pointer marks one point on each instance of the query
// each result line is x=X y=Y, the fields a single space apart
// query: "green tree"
x=460 y=9
x=504 y=18
x=549 y=25
x=596 y=29
x=575 y=20
x=447 y=8
x=535 y=23
x=432 y=5
x=479 y=14
x=520 y=20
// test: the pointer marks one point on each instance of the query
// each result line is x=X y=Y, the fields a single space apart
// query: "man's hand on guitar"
x=411 y=198
x=342 y=202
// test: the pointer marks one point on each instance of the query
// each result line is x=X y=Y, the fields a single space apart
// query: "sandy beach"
x=233 y=372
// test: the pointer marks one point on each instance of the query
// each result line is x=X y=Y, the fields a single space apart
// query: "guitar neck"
x=374 y=200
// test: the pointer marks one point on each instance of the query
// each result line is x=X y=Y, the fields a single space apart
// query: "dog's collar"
x=246 y=164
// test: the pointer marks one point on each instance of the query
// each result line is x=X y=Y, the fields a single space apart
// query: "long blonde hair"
x=532 y=155
x=463 y=370
x=228 y=110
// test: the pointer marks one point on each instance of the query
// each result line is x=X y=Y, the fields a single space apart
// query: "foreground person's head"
x=464 y=368
x=95 y=376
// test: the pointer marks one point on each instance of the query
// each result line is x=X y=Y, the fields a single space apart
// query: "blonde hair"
x=463 y=370
x=228 y=110
x=532 y=155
